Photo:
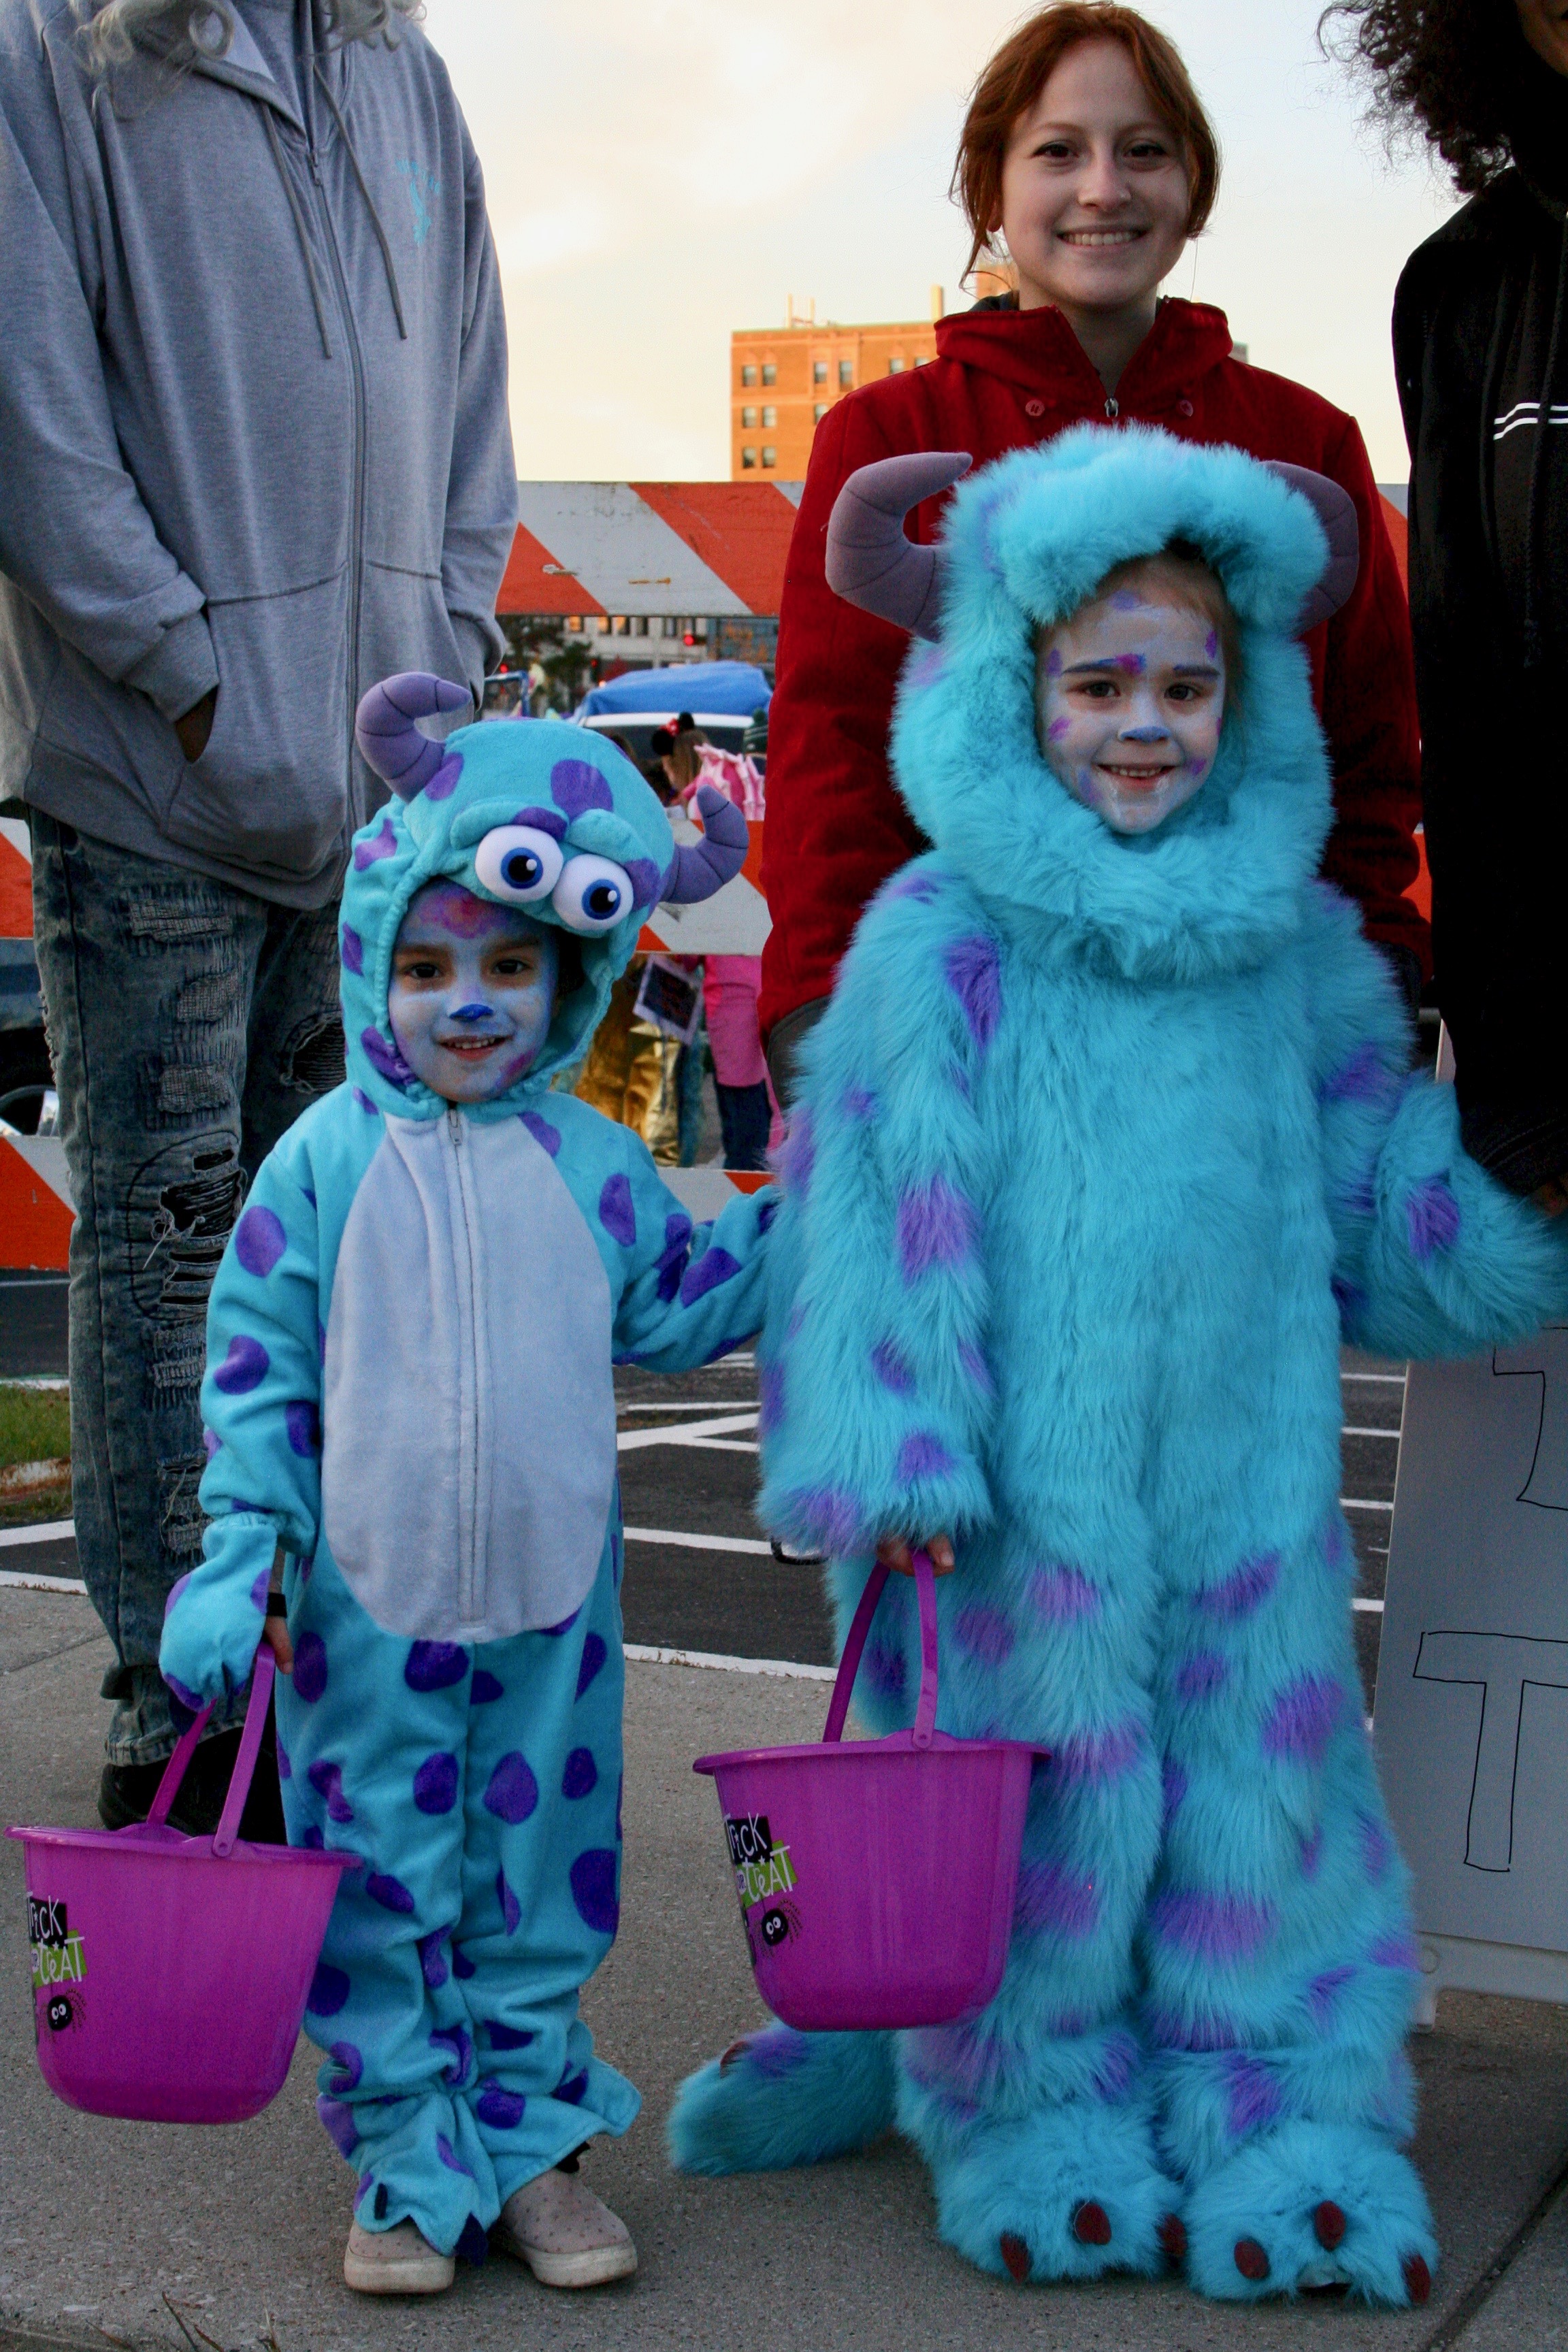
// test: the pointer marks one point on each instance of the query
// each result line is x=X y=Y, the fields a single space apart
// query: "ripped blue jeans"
x=189 y=1024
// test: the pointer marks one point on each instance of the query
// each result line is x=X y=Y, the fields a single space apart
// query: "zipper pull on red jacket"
x=1112 y=408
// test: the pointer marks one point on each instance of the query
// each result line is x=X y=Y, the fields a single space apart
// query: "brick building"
x=784 y=379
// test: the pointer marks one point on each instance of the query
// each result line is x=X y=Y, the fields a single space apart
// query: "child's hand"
x=275 y=1634
x=897 y=1552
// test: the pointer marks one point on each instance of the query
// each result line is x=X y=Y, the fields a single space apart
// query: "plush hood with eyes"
x=1220 y=882
x=519 y=786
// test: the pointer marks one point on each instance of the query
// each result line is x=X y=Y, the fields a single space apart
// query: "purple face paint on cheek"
x=1058 y=728
x=1053 y=663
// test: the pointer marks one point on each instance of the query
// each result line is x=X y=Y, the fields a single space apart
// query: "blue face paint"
x=472 y=992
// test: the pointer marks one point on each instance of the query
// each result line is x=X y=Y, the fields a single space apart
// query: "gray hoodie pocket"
x=271 y=791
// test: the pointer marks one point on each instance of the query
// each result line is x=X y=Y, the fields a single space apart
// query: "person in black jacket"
x=1480 y=338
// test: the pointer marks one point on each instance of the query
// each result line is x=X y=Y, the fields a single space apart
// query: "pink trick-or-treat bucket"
x=877 y=1876
x=170 y=1973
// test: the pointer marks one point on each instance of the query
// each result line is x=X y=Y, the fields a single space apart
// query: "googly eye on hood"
x=534 y=814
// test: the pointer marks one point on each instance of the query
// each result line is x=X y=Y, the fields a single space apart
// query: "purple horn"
x=700 y=868
x=1335 y=510
x=869 y=561
x=386 y=735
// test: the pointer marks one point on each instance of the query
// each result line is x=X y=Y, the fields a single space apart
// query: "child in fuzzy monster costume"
x=409 y=1402
x=1107 y=1141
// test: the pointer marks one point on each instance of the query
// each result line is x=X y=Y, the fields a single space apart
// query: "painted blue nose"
x=1138 y=735
x=473 y=1013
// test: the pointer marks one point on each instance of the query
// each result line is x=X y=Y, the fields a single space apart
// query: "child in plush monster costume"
x=1107 y=1140
x=409 y=1401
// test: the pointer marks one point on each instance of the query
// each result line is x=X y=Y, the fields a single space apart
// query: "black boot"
x=126 y=1791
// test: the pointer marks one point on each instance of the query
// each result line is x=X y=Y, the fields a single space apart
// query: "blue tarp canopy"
x=720 y=688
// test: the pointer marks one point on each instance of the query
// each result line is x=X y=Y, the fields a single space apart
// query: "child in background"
x=1105 y=1140
x=409 y=1405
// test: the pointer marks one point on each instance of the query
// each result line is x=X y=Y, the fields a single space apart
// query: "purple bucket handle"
x=855 y=1642
x=244 y=1763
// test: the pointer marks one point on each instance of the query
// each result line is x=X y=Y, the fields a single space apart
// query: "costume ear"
x=869 y=561
x=1335 y=510
x=698 y=869
x=386 y=735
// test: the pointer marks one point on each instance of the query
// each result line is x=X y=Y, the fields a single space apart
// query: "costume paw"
x=1312 y=2209
x=1071 y=2192
x=779 y=2098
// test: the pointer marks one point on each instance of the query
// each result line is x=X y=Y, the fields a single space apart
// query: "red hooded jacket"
x=1001 y=379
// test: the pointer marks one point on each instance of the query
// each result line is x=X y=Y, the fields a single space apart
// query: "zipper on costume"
x=469 y=1609
x=356 y=365
x=1112 y=406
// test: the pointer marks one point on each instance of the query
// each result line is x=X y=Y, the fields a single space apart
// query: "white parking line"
x=14 y=1576
x=1384 y=1380
x=695 y=1404
x=642 y=1657
x=46 y=1531
x=1347 y=1430
x=1364 y=1608
x=1354 y=1503
x=631 y=1440
x=698 y=1543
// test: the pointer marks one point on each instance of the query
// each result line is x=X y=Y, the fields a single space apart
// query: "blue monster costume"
x=1106 y=1143
x=409 y=1392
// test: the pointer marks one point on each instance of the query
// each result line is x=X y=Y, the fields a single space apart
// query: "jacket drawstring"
x=381 y=236
x=1536 y=500
x=300 y=231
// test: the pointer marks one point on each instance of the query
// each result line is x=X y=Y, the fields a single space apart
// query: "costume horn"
x=700 y=868
x=869 y=561
x=387 y=737
x=1335 y=510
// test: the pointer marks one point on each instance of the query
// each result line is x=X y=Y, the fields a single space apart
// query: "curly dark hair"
x=1461 y=69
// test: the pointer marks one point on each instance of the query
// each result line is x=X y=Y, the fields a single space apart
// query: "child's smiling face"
x=1130 y=699
x=473 y=992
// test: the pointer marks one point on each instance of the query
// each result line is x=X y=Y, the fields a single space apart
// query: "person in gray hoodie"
x=254 y=456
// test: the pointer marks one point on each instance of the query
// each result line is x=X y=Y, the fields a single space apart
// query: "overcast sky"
x=661 y=172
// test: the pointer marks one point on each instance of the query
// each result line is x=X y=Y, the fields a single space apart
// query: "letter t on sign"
x=1502 y=1665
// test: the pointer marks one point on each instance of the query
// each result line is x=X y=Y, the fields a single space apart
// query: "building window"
x=748 y=419
x=639 y=626
x=819 y=412
x=770 y=419
x=921 y=358
x=748 y=457
x=895 y=367
x=748 y=374
x=845 y=374
x=769 y=371
x=770 y=455
x=819 y=371
x=671 y=626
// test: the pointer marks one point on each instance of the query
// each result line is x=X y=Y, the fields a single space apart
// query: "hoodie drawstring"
x=381 y=236
x=1536 y=500
x=300 y=231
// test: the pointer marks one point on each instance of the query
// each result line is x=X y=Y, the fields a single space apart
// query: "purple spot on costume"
x=449 y=2157
x=1432 y=1219
x=338 y=2122
x=831 y=1520
x=258 y=1589
x=310 y=1667
x=677 y=1245
x=1173 y=1786
x=1363 y=1079
x=460 y=2050
x=511 y=1912
x=485 y=1687
x=705 y=1274
x=327 y=1779
x=507 y=2037
x=554 y=1632
x=975 y=977
x=1303 y=1717
x=352 y=950
x=511 y=1793
x=1118 y=2069
x=1062 y=1595
x=935 y=1227
x=1052 y=1897
x=302 y=1426
x=1395 y=1950
x=328 y=1990
x=350 y=2064
x=615 y=1211
x=385 y=1059
x=259 y=1240
x=883 y=1670
x=1322 y=1995
x=211 y=1444
x=923 y=1456
x=892 y=1368
x=435 y=1784
x=1093 y=1757
x=593 y=1878
x=1201 y=1676
x=770 y=1398
x=433 y=1959
x=444 y=783
x=435 y=1665
x=922 y=887
x=1242 y=1591
x=580 y=1774
x=985 y=1633
x=382 y=842
x=244 y=1368
x=502 y=2109
x=1216 y=1927
x=576 y=786
x=1252 y=2095
x=548 y=1138
x=593 y=1656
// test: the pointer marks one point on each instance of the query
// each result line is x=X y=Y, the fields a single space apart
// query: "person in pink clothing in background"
x=748 y=1112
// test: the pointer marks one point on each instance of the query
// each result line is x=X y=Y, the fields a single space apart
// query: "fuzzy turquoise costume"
x=409 y=1392
x=1106 y=1143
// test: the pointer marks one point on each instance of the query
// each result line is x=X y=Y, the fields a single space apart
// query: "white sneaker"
x=566 y=2235
x=399 y=2261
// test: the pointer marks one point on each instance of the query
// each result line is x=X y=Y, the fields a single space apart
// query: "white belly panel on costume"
x=468 y=1417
